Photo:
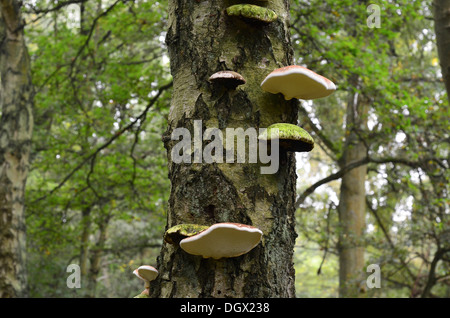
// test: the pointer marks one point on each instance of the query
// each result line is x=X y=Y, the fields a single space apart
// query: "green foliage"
x=97 y=169
x=98 y=189
x=393 y=69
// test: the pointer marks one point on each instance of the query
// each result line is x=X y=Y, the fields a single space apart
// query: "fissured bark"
x=202 y=40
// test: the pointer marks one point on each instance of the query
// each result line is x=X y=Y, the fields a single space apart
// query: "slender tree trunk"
x=431 y=279
x=84 y=246
x=202 y=40
x=16 y=124
x=441 y=12
x=352 y=204
x=96 y=257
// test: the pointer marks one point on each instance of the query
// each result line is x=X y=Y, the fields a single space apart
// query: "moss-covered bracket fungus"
x=296 y=81
x=181 y=231
x=252 y=13
x=228 y=79
x=222 y=240
x=147 y=273
x=291 y=137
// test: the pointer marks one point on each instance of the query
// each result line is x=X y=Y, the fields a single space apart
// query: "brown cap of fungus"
x=228 y=79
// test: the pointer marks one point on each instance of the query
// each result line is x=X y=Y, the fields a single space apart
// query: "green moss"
x=291 y=137
x=252 y=12
x=178 y=232
x=142 y=296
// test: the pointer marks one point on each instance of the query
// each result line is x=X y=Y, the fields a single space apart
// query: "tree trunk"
x=441 y=15
x=84 y=241
x=352 y=204
x=96 y=257
x=16 y=124
x=202 y=39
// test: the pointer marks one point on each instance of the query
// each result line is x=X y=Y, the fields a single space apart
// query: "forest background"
x=97 y=187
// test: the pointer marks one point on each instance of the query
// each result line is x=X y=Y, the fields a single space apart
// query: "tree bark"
x=84 y=241
x=441 y=13
x=431 y=279
x=16 y=124
x=202 y=40
x=96 y=257
x=352 y=202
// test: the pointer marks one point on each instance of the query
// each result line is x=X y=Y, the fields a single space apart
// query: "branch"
x=431 y=280
x=91 y=31
x=386 y=235
x=319 y=271
x=43 y=12
x=60 y=5
x=58 y=68
x=330 y=178
x=380 y=223
x=356 y=164
x=422 y=79
x=93 y=155
x=319 y=132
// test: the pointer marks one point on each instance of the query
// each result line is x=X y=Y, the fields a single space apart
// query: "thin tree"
x=352 y=204
x=16 y=124
x=441 y=13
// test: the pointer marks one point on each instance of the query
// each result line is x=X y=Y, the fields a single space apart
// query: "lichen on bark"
x=178 y=232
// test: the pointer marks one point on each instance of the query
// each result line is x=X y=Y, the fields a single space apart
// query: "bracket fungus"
x=147 y=273
x=223 y=240
x=296 y=81
x=229 y=79
x=252 y=13
x=181 y=231
x=291 y=137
